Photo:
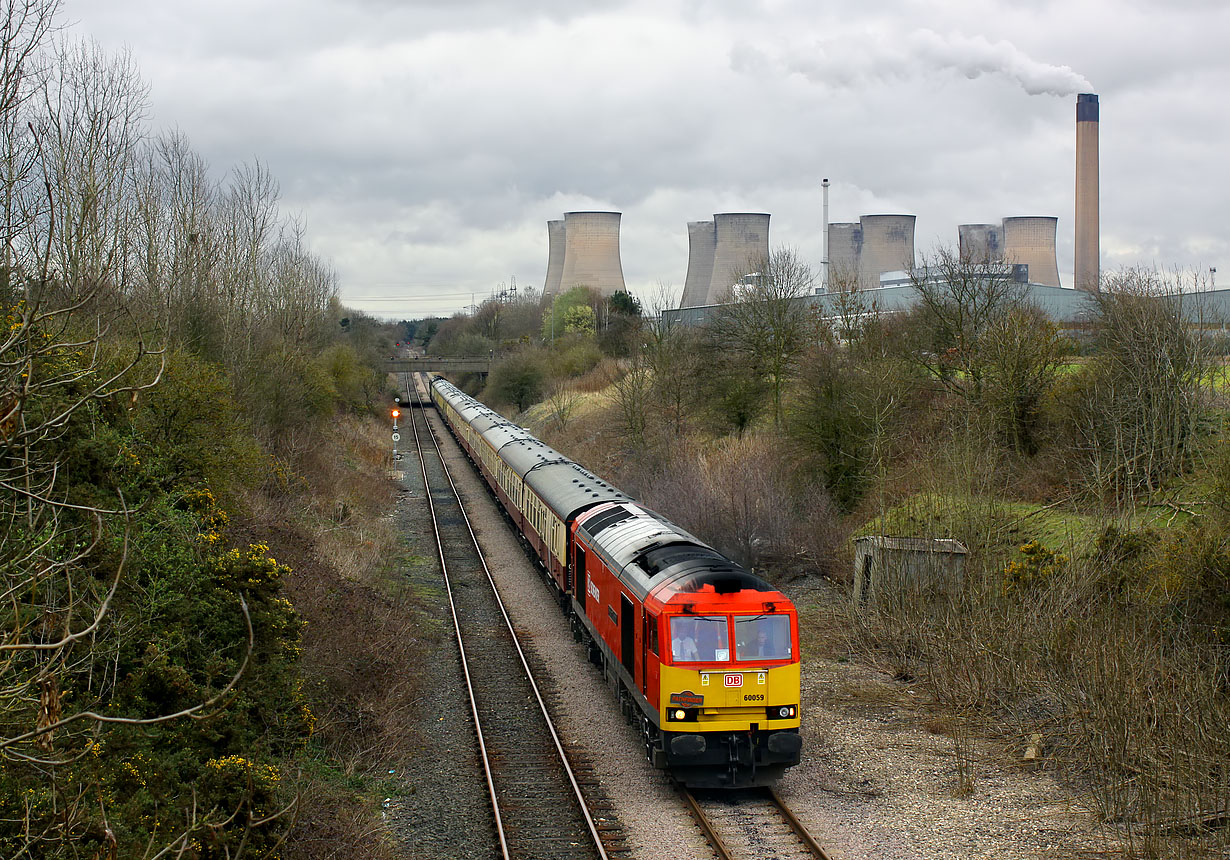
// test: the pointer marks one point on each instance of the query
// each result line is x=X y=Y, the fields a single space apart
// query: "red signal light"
x=396 y=412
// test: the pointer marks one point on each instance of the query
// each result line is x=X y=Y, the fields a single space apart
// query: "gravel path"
x=873 y=782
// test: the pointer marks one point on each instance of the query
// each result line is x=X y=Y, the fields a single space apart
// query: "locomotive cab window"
x=762 y=637
x=699 y=638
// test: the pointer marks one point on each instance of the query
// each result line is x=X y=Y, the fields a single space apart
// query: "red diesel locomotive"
x=703 y=655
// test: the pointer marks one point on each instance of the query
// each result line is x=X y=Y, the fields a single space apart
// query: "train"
x=702 y=654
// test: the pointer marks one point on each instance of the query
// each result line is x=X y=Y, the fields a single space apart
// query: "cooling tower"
x=980 y=243
x=1087 y=228
x=845 y=247
x=702 y=242
x=591 y=252
x=555 y=258
x=1032 y=241
x=888 y=246
x=741 y=239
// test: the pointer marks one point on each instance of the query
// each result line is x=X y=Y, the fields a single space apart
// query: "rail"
x=489 y=766
x=804 y=842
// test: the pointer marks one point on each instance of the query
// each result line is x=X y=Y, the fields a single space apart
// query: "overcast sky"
x=425 y=143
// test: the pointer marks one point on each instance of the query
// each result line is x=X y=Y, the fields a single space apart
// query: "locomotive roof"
x=649 y=553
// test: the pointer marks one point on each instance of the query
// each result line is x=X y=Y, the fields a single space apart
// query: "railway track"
x=538 y=808
x=751 y=824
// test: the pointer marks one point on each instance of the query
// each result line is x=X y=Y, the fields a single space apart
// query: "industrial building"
x=1063 y=305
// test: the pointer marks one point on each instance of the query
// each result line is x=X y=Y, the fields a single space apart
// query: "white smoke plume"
x=852 y=60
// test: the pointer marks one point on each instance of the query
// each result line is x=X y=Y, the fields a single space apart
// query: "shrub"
x=517 y=380
x=1036 y=568
x=841 y=420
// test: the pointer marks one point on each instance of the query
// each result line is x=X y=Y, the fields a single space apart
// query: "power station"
x=584 y=247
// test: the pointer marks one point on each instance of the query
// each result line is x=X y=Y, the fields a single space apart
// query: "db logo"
x=734 y=680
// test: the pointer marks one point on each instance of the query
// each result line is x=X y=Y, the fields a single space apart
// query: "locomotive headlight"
x=679 y=714
x=785 y=712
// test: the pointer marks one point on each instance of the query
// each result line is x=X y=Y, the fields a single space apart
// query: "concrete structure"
x=980 y=243
x=741 y=239
x=555 y=258
x=702 y=241
x=888 y=246
x=893 y=568
x=1088 y=250
x=845 y=248
x=1031 y=240
x=591 y=252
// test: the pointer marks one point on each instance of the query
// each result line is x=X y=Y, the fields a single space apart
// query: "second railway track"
x=537 y=805
x=751 y=824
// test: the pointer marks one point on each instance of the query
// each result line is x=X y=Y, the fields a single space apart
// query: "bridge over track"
x=437 y=364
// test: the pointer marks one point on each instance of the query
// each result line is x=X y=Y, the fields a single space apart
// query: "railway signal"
x=396 y=435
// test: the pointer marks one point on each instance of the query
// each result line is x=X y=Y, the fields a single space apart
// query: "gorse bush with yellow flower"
x=197 y=625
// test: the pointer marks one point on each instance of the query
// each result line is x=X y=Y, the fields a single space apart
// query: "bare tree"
x=89 y=127
x=977 y=336
x=630 y=392
x=248 y=227
x=672 y=354
x=562 y=403
x=1138 y=409
x=175 y=242
x=766 y=323
x=295 y=300
x=25 y=26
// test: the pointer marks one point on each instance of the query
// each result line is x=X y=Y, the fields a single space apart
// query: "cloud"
x=426 y=142
x=878 y=56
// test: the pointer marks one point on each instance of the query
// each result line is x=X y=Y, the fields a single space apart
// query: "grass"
x=1012 y=523
x=1009 y=524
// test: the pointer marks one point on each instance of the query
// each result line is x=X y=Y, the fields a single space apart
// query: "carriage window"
x=699 y=638
x=762 y=637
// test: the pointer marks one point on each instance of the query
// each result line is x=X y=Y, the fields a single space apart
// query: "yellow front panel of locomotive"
x=729 y=699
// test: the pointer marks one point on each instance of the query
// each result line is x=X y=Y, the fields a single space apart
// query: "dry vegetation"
x=362 y=638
